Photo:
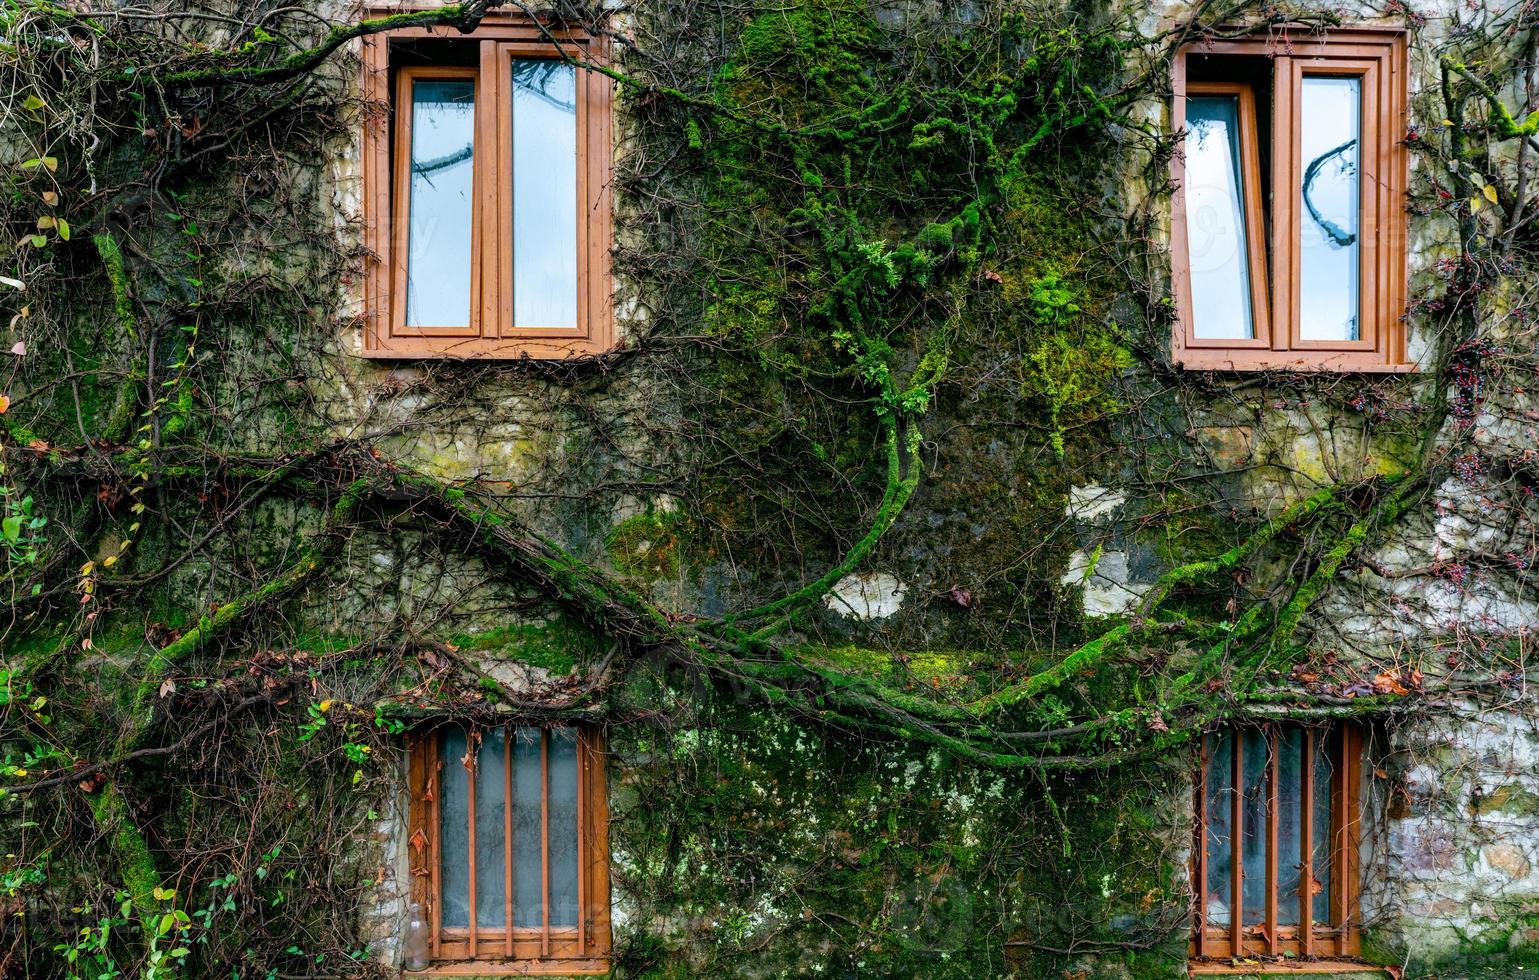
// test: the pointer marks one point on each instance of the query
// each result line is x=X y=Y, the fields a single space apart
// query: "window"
x=1288 y=218
x=486 y=193
x=1275 y=857
x=509 y=853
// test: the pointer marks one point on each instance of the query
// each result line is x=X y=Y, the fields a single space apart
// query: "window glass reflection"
x=441 y=202
x=1219 y=833
x=1217 y=246
x=544 y=193
x=1330 y=190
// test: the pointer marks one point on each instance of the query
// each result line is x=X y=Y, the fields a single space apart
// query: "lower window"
x=1275 y=862
x=509 y=854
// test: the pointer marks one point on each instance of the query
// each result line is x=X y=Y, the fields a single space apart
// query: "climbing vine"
x=892 y=292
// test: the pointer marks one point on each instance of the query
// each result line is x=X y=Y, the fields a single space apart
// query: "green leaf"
x=11 y=528
x=63 y=229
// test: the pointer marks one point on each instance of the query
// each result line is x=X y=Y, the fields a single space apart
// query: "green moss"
x=646 y=546
x=556 y=646
x=1509 y=798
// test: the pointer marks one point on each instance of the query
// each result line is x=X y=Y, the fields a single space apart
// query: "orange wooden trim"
x=596 y=831
x=585 y=966
x=1341 y=935
x=1379 y=55
x=1267 y=969
x=491 y=336
x=400 y=205
x=1370 y=301
x=508 y=950
x=1255 y=225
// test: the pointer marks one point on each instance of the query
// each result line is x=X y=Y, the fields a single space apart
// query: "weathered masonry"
x=841 y=489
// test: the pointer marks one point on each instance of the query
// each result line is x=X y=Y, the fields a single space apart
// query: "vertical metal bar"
x=1273 y=743
x=508 y=734
x=435 y=865
x=1200 y=846
x=1340 y=819
x=582 y=829
x=470 y=826
x=545 y=841
x=1307 y=843
x=1237 y=849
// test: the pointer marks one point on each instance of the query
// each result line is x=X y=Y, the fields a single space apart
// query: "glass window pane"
x=1255 y=761
x=544 y=193
x=563 y=827
x=1217 y=247
x=441 y=202
x=1329 y=150
x=454 y=829
x=491 y=830
x=1325 y=830
x=528 y=889
x=1220 y=848
x=1290 y=841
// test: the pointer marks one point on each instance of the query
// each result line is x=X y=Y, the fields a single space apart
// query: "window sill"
x=515 y=968
x=1312 y=362
x=1286 y=968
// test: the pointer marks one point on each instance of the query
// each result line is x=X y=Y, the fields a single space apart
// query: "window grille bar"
x=1237 y=849
x=1201 y=850
x=1342 y=816
x=435 y=864
x=508 y=735
x=582 y=822
x=545 y=842
x=1307 y=843
x=471 y=755
x=1273 y=748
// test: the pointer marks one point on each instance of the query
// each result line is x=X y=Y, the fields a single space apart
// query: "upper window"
x=1275 y=864
x=486 y=193
x=509 y=854
x=1289 y=208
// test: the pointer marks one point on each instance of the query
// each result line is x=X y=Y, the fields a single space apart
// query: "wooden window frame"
x=510 y=950
x=1379 y=58
x=1213 y=948
x=386 y=159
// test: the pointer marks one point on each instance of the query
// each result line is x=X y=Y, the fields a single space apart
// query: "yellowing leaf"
x=45 y=222
x=109 y=561
x=5 y=403
x=50 y=198
x=1490 y=192
x=324 y=706
x=87 y=568
x=64 y=229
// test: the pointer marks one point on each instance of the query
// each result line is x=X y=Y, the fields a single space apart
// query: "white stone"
x=871 y=595
x=1093 y=501
x=1109 y=588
